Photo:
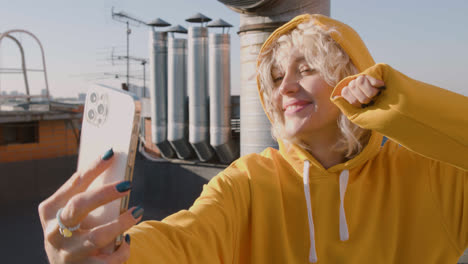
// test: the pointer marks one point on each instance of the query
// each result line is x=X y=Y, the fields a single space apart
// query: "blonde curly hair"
x=321 y=52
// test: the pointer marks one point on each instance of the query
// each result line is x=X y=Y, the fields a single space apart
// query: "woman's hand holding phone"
x=75 y=202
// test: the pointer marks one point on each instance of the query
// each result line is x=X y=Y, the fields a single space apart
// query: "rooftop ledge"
x=12 y=112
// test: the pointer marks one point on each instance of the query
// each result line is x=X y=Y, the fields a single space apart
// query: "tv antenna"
x=126 y=18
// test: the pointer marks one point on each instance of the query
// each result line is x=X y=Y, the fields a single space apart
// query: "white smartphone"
x=110 y=120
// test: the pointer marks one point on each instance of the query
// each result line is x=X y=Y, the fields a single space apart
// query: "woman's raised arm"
x=421 y=117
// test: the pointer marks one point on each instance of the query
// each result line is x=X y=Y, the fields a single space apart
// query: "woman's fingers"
x=357 y=91
x=121 y=254
x=79 y=181
x=366 y=87
x=348 y=96
x=375 y=82
x=362 y=90
x=103 y=235
x=83 y=178
x=78 y=207
x=117 y=257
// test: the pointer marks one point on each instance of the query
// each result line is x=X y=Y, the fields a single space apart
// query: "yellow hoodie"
x=403 y=202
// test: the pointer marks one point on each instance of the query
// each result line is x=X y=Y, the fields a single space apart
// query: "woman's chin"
x=295 y=129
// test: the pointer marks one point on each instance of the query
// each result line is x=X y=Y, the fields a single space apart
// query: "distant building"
x=139 y=91
x=39 y=131
x=82 y=97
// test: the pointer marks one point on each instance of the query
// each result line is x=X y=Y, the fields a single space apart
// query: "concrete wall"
x=163 y=188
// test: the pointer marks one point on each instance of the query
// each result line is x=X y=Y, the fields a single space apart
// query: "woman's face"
x=303 y=97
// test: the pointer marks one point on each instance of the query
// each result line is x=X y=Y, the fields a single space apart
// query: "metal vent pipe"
x=257 y=20
x=197 y=66
x=158 y=92
x=177 y=127
x=220 y=96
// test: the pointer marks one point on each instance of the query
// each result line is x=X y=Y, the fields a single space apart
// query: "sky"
x=426 y=40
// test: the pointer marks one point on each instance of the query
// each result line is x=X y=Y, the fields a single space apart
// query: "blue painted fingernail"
x=127 y=238
x=124 y=186
x=108 y=154
x=137 y=212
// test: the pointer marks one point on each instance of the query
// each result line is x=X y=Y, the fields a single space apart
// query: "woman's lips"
x=297 y=107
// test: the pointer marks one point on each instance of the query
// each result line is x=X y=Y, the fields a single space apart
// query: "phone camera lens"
x=93 y=97
x=100 y=109
x=91 y=114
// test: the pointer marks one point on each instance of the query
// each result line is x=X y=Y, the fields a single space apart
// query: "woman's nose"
x=290 y=84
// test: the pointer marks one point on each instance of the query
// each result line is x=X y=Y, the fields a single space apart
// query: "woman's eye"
x=277 y=79
x=307 y=70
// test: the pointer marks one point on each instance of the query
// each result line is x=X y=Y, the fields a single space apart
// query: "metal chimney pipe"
x=257 y=20
x=220 y=97
x=219 y=75
x=197 y=75
x=158 y=92
x=197 y=66
x=177 y=99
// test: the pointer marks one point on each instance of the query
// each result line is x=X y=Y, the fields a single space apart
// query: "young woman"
x=332 y=193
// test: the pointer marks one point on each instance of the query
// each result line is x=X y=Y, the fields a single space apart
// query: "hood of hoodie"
x=353 y=45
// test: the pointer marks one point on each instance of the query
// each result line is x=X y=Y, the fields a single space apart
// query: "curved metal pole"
x=23 y=64
x=129 y=31
x=7 y=33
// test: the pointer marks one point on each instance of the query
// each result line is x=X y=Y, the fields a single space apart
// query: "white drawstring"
x=344 y=235
x=312 y=251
